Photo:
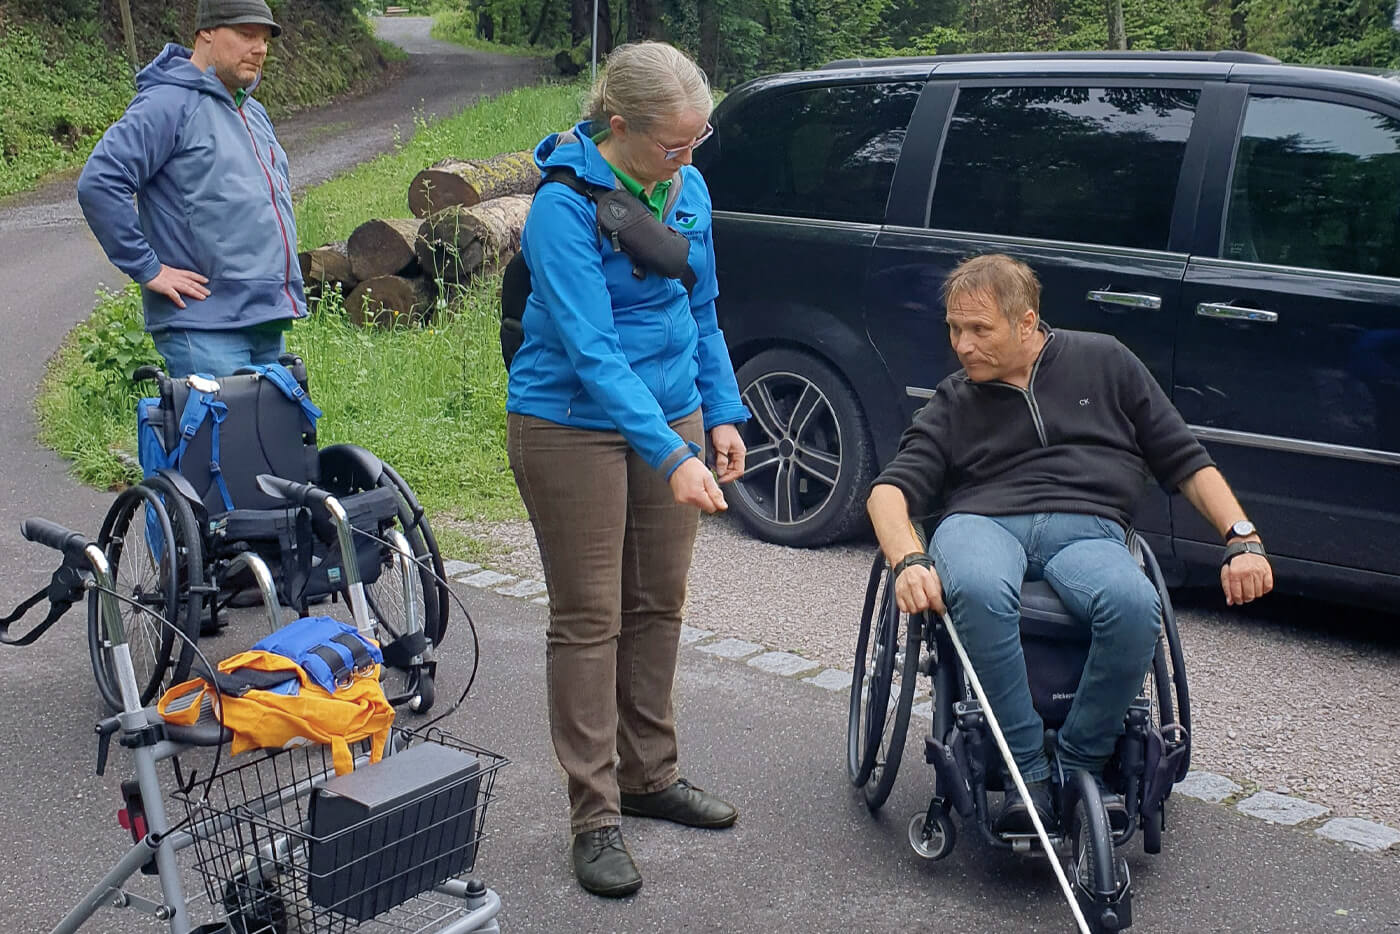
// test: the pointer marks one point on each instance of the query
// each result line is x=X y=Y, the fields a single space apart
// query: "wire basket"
x=284 y=846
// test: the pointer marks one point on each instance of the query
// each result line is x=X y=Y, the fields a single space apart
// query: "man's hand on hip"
x=1247 y=577
x=917 y=589
x=173 y=283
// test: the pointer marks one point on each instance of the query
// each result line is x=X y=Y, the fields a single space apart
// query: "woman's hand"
x=693 y=484
x=729 y=452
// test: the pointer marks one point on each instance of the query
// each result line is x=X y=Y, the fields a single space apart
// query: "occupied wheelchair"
x=280 y=842
x=1152 y=754
x=173 y=540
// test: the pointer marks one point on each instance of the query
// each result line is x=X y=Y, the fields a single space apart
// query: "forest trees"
x=738 y=39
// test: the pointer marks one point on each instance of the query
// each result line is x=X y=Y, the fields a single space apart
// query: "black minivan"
x=1233 y=220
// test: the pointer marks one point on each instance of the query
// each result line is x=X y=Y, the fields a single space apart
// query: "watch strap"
x=914 y=557
x=1235 y=549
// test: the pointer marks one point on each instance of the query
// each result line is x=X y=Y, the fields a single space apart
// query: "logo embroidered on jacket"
x=686 y=220
x=1083 y=401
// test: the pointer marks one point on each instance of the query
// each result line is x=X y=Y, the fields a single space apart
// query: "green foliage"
x=111 y=345
x=87 y=403
x=61 y=90
x=756 y=37
x=64 y=77
x=460 y=26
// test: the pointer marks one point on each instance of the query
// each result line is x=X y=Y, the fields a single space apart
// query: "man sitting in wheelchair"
x=1033 y=455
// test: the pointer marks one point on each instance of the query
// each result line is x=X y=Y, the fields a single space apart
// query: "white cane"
x=1016 y=776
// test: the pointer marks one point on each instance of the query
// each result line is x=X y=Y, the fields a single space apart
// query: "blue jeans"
x=982 y=561
x=217 y=353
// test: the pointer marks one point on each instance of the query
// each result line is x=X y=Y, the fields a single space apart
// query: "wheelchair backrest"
x=263 y=432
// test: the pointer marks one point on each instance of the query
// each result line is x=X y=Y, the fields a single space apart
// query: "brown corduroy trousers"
x=616 y=549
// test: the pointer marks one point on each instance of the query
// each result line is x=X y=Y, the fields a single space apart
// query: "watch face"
x=1242 y=528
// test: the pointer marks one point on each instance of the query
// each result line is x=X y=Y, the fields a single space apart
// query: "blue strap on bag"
x=329 y=651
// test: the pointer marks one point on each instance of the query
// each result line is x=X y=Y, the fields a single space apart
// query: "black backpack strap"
x=569 y=180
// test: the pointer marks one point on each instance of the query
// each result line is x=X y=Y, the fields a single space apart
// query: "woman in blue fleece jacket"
x=620 y=376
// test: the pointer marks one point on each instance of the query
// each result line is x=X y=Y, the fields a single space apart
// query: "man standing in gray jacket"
x=1033 y=455
x=211 y=237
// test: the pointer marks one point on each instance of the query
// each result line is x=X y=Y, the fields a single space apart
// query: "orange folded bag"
x=270 y=719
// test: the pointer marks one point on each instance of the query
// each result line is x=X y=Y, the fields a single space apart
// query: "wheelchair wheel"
x=151 y=540
x=425 y=550
x=903 y=674
x=863 y=717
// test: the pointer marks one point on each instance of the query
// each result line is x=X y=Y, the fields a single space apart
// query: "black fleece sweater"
x=1080 y=439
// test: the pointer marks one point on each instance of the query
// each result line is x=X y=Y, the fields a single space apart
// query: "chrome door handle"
x=1126 y=299
x=1235 y=313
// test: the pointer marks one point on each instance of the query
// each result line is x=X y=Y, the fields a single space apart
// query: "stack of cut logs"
x=467 y=218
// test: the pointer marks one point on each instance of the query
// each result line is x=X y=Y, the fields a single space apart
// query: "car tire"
x=810 y=459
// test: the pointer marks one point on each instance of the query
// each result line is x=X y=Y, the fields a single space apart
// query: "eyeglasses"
x=689 y=147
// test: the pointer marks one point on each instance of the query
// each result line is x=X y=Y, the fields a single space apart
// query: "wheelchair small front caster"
x=932 y=835
x=422 y=702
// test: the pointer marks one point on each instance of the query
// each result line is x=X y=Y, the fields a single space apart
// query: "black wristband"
x=1235 y=549
x=914 y=557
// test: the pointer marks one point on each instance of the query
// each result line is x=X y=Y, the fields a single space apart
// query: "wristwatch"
x=1242 y=529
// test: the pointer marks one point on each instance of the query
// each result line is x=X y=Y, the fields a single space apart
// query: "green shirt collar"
x=657 y=201
x=240 y=96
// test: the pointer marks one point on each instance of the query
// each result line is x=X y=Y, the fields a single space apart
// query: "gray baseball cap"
x=214 y=13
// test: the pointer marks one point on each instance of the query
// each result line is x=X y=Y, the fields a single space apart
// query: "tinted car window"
x=1316 y=184
x=824 y=153
x=1089 y=165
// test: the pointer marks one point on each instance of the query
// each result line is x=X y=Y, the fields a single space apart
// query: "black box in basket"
x=393 y=829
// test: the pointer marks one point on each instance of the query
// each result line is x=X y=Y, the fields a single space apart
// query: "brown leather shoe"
x=682 y=803
x=603 y=865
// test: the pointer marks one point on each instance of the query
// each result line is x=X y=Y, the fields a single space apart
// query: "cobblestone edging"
x=1255 y=801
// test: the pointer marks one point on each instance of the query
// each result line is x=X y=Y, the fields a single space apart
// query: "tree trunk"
x=580 y=13
x=540 y=21
x=385 y=301
x=642 y=20
x=324 y=265
x=605 y=33
x=383 y=248
x=453 y=182
x=708 y=13
x=460 y=242
x=1117 y=39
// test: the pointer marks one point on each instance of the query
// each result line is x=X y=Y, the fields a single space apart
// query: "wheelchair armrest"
x=348 y=468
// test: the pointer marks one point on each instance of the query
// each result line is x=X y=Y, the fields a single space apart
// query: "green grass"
x=459 y=26
x=430 y=401
x=513 y=121
x=60 y=92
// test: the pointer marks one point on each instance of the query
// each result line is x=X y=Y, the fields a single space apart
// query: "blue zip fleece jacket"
x=212 y=193
x=603 y=349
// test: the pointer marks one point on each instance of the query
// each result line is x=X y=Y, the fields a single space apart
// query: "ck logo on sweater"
x=1083 y=401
